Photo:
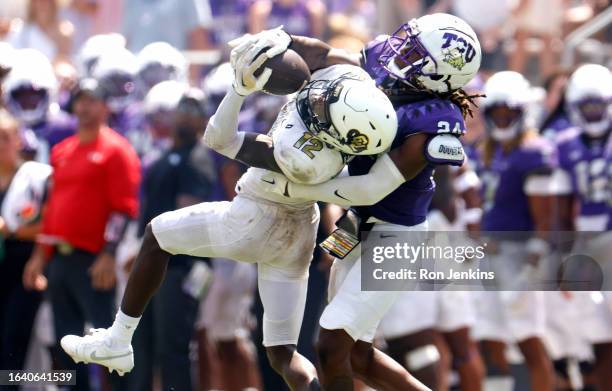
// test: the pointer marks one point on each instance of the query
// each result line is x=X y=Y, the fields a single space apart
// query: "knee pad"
x=284 y=303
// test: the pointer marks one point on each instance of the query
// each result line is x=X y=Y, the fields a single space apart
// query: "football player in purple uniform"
x=585 y=159
x=158 y=62
x=116 y=71
x=29 y=93
x=422 y=68
x=516 y=174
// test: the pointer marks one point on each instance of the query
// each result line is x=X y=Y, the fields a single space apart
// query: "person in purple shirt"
x=422 y=68
x=585 y=154
x=516 y=172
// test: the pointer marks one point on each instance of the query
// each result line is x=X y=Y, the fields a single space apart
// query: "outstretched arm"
x=222 y=133
x=319 y=55
x=386 y=175
x=315 y=52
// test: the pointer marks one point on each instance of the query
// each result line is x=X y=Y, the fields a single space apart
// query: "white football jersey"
x=301 y=157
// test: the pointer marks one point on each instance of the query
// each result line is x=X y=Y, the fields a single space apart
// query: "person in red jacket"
x=92 y=196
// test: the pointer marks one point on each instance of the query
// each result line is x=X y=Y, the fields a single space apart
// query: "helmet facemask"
x=404 y=56
x=593 y=115
x=313 y=103
x=120 y=89
x=504 y=122
x=29 y=103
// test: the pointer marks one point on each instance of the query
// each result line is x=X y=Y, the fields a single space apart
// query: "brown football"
x=289 y=73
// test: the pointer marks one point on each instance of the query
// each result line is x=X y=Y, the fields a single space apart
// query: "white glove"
x=276 y=39
x=245 y=81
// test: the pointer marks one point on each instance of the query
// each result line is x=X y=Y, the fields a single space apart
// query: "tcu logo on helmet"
x=463 y=52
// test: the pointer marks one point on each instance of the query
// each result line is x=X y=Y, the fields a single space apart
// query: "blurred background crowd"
x=154 y=71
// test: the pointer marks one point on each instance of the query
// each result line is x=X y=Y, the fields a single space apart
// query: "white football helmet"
x=160 y=61
x=30 y=86
x=6 y=57
x=217 y=83
x=94 y=48
x=349 y=114
x=116 y=73
x=437 y=52
x=505 y=105
x=164 y=96
x=588 y=99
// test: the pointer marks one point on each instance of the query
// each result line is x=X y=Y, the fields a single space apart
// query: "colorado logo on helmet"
x=357 y=141
x=460 y=54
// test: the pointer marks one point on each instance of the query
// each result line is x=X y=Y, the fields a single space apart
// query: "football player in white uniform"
x=274 y=231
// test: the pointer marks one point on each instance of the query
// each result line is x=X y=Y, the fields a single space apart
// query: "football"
x=289 y=73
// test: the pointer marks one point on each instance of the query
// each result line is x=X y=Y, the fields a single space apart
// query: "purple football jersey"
x=589 y=164
x=556 y=125
x=506 y=206
x=56 y=127
x=473 y=158
x=409 y=203
x=129 y=120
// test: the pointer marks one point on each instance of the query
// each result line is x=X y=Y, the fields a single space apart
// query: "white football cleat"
x=98 y=348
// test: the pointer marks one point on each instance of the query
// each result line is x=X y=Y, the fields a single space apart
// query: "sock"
x=123 y=328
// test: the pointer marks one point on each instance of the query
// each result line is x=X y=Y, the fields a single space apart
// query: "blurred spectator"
x=108 y=17
x=542 y=19
x=300 y=17
x=10 y=10
x=393 y=13
x=349 y=43
x=93 y=196
x=228 y=21
x=159 y=111
x=554 y=118
x=116 y=71
x=157 y=62
x=21 y=191
x=354 y=18
x=95 y=47
x=30 y=92
x=489 y=20
x=6 y=63
x=81 y=14
x=43 y=30
x=182 y=177
x=183 y=24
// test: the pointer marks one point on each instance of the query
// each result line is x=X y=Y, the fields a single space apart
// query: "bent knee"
x=334 y=346
x=361 y=356
x=149 y=241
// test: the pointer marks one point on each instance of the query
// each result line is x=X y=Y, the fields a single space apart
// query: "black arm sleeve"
x=114 y=232
x=258 y=151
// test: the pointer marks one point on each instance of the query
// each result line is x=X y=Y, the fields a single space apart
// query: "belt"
x=66 y=249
